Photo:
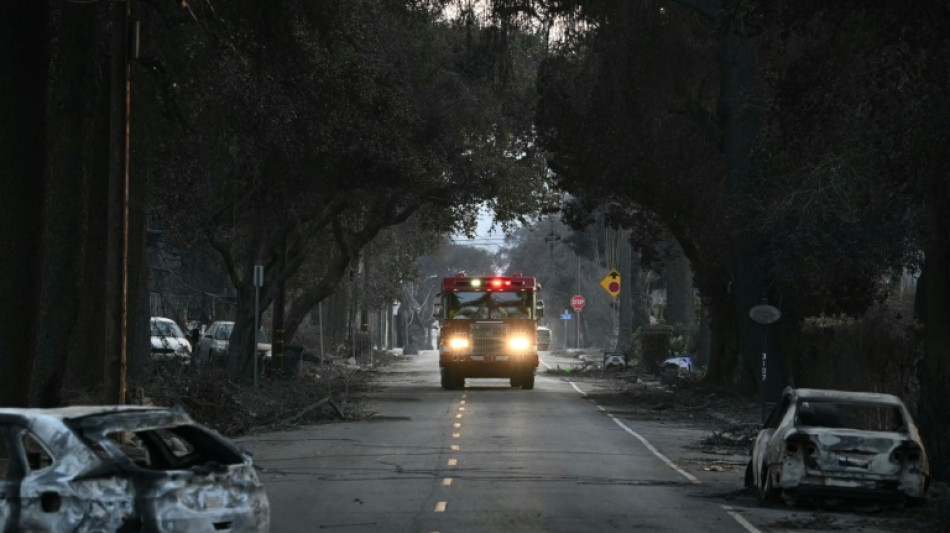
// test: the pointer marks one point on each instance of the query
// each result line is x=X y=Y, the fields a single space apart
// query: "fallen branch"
x=338 y=410
x=306 y=410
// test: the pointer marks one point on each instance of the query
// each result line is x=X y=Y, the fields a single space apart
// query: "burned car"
x=123 y=468
x=168 y=341
x=836 y=444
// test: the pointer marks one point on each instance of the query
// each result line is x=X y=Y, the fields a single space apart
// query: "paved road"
x=487 y=458
x=492 y=458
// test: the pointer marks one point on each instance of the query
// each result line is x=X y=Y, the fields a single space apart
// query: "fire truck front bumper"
x=489 y=365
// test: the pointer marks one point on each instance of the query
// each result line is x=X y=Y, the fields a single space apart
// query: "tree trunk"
x=640 y=294
x=24 y=79
x=933 y=415
x=680 y=295
x=625 y=300
x=243 y=343
x=741 y=118
x=722 y=341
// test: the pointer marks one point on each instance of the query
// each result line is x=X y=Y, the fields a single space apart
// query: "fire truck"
x=488 y=329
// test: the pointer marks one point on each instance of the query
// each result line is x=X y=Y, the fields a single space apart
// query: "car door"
x=43 y=488
x=204 y=346
x=9 y=486
x=762 y=440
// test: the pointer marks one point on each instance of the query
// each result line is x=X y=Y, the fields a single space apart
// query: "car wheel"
x=447 y=379
x=527 y=382
x=749 y=476
x=515 y=381
x=459 y=382
x=767 y=490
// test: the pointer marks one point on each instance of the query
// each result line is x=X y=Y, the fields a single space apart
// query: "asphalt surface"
x=494 y=458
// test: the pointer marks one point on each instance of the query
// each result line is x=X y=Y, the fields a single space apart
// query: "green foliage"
x=677 y=345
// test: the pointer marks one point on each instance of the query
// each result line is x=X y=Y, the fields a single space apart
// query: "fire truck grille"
x=488 y=338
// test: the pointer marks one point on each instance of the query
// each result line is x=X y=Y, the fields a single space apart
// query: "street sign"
x=566 y=316
x=765 y=314
x=611 y=283
x=577 y=302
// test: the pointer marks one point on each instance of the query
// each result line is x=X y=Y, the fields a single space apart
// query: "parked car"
x=615 y=361
x=168 y=341
x=544 y=339
x=213 y=347
x=676 y=366
x=829 y=443
x=123 y=468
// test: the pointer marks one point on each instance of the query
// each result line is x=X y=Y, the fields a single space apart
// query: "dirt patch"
x=678 y=400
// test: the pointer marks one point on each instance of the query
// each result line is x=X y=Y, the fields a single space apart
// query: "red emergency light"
x=462 y=282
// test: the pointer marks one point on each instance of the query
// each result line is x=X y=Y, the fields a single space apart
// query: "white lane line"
x=440 y=507
x=645 y=442
x=656 y=452
x=543 y=362
x=741 y=519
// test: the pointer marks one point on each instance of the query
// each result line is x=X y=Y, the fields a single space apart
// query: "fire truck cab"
x=488 y=329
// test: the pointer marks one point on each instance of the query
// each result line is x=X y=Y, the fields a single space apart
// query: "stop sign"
x=577 y=302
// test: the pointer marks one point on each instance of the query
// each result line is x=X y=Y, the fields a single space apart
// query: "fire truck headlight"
x=519 y=343
x=458 y=343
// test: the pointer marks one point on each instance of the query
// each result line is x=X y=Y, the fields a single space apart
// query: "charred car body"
x=828 y=443
x=168 y=341
x=489 y=329
x=123 y=468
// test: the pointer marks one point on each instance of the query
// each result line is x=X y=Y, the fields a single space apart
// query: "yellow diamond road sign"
x=611 y=283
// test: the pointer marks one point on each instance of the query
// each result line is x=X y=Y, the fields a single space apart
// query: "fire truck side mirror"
x=540 y=309
x=437 y=311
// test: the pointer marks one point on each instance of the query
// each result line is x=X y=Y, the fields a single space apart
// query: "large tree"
x=296 y=128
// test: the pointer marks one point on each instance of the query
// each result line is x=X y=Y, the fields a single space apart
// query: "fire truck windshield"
x=489 y=305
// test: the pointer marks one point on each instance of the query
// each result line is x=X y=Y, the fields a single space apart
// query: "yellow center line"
x=440 y=507
x=454 y=447
x=461 y=408
x=464 y=396
x=456 y=435
x=457 y=424
x=446 y=482
x=462 y=402
x=458 y=416
x=452 y=462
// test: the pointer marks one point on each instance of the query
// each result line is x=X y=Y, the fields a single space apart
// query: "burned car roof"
x=848 y=396
x=80 y=411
